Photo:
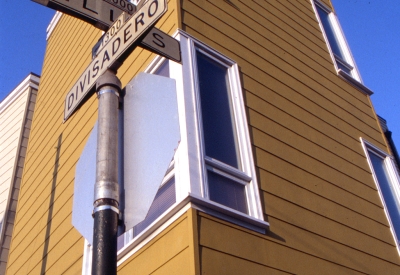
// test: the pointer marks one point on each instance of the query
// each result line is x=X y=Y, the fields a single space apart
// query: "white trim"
x=87 y=258
x=394 y=181
x=228 y=214
x=154 y=229
x=359 y=85
x=190 y=163
x=341 y=39
x=197 y=151
x=189 y=159
x=229 y=169
x=177 y=210
x=31 y=80
x=53 y=24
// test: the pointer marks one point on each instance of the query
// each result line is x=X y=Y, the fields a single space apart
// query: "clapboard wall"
x=305 y=124
x=16 y=112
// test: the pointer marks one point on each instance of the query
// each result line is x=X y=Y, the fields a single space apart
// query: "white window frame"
x=189 y=166
x=344 y=47
x=190 y=162
x=393 y=178
x=195 y=146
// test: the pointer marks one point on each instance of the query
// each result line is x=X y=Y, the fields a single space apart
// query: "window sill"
x=361 y=87
x=177 y=210
x=228 y=214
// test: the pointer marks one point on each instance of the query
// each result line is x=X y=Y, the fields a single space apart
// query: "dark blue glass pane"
x=163 y=70
x=343 y=68
x=388 y=194
x=216 y=109
x=164 y=199
x=227 y=192
x=120 y=241
x=333 y=42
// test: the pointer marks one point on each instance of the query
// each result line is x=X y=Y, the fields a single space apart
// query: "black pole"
x=106 y=195
x=104 y=261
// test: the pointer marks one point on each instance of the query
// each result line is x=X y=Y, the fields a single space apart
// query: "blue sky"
x=371 y=27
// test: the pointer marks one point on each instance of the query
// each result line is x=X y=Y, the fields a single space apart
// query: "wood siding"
x=170 y=252
x=305 y=124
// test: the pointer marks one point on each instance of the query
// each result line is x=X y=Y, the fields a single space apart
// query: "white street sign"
x=109 y=34
x=150 y=137
x=155 y=41
x=116 y=49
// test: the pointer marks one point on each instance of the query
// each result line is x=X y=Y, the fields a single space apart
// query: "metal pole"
x=106 y=193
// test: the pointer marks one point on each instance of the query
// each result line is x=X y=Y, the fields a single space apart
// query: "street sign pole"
x=119 y=41
x=106 y=191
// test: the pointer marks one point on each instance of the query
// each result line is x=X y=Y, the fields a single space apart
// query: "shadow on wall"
x=51 y=206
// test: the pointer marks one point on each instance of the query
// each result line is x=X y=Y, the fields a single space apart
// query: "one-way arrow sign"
x=116 y=49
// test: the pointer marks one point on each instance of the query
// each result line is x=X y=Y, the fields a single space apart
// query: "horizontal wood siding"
x=284 y=250
x=168 y=253
x=44 y=239
x=305 y=125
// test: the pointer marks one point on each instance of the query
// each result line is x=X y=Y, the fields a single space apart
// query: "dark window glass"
x=343 y=68
x=164 y=199
x=163 y=70
x=227 y=192
x=391 y=202
x=216 y=108
x=333 y=42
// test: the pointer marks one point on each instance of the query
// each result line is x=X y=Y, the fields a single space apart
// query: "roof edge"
x=32 y=80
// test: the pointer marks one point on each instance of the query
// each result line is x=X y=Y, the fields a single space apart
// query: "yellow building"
x=282 y=166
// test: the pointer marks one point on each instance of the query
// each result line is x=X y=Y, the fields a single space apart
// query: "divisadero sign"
x=155 y=40
x=125 y=37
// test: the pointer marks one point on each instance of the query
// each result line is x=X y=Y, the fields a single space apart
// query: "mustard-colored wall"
x=44 y=239
x=171 y=252
x=305 y=123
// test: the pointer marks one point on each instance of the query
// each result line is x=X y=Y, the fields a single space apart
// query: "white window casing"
x=344 y=64
x=388 y=185
x=190 y=164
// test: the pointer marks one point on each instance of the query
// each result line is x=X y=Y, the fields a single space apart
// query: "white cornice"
x=53 y=23
x=31 y=80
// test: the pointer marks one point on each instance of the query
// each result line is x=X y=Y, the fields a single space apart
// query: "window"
x=336 y=41
x=213 y=167
x=224 y=167
x=387 y=181
x=219 y=134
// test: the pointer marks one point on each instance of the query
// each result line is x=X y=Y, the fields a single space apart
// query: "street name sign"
x=155 y=41
x=109 y=34
x=101 y=14
x=123 y=5
x=114 y=52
